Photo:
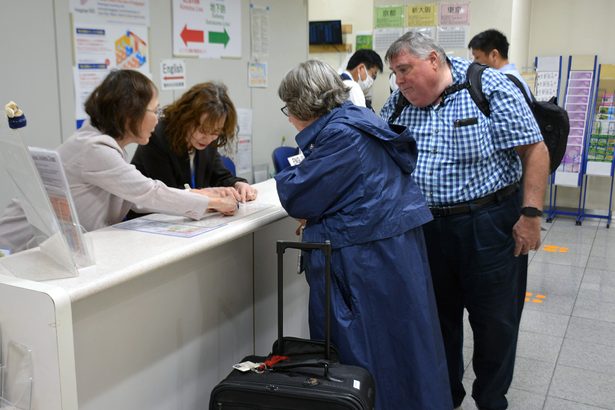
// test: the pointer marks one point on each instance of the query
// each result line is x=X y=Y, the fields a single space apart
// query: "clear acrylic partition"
x=16 y=378
x=47 y=203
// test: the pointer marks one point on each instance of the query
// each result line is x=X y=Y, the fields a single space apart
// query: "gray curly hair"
x=312 y=89
x=417 y=44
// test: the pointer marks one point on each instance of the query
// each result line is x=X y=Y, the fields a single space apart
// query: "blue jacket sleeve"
x=328 y=180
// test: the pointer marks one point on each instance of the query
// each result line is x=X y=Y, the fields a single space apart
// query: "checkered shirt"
x=458 y=164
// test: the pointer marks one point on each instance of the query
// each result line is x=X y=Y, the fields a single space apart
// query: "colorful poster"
x=422 y=15
x=207 y=29
x=257 y=75
x=99 y=48
x=389 y=16
x=364 y=41
x=454 y=14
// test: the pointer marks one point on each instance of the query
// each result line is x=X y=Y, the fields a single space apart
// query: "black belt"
x=467 y=207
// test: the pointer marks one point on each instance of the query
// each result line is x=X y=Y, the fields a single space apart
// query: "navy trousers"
x=473 y=267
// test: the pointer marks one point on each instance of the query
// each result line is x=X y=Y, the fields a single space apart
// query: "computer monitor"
x=325 y=32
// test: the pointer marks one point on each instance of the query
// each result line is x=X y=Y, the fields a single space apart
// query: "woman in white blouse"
x=123 y=109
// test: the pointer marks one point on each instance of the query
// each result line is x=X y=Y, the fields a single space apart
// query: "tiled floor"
x=566 y=352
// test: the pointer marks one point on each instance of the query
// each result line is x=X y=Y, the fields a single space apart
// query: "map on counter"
x=187 y=228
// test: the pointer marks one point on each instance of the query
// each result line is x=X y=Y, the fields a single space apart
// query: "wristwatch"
x=531 y=211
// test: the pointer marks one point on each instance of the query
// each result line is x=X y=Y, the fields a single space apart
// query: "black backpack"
x=551 y=118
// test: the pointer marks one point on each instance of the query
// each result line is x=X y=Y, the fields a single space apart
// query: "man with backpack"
x=469 y=169
x=490 y=47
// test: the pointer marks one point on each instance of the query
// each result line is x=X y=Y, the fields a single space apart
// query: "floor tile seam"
x=576 y=402
x=589 y=341
x=593 y=318
x=561 y=346
x=512 y=386
x=596 y=319
x=566 y=264
x=587 y=370
x=577 y=367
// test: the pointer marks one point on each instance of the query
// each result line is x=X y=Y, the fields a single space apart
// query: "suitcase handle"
x=325 y=247
x=307 y=363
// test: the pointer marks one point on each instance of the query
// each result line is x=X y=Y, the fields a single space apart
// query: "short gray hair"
x=312 y=89
x=417 y=44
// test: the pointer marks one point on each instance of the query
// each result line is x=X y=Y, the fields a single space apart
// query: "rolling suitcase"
x=308 y=375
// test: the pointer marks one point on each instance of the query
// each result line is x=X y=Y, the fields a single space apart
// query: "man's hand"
x=526 y=233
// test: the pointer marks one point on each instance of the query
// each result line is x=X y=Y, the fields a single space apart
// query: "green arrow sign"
x=218 y=38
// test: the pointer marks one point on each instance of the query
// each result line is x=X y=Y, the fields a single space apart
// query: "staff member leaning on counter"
x=184 y=147
x=123 y=109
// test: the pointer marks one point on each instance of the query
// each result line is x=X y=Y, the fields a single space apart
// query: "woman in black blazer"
x=183 y=149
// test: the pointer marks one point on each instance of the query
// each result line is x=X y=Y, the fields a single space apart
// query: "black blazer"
x=157 y=161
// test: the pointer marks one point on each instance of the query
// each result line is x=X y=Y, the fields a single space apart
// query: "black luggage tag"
x=465 y=122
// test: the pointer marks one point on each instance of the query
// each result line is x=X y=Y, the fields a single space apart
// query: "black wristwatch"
x=530 y=211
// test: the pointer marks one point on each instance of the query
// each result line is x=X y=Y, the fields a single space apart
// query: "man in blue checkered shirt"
x=470 y=169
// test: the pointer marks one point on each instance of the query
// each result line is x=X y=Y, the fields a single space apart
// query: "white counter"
x=160 y=319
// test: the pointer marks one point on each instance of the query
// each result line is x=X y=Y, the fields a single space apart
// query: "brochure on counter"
x=187 y=228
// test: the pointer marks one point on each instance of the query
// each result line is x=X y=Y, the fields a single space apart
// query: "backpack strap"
x=400 y=104
x=473 y=77
x=528 y=99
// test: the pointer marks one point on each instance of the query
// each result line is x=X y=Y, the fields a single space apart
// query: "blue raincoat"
x=354 y=188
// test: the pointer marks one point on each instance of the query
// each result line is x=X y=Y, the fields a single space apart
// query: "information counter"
x=160 y=319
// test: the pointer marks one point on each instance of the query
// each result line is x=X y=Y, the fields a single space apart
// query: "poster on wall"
x=422 y=15
x=111 y=11
x=454 y=14
x=207 y=29
x=257 y=74
x=389 y=16
x=383 y=37
x=99 y=48
x=243 y=154
x=259 y=24
x=452 y=38
x=364 y=40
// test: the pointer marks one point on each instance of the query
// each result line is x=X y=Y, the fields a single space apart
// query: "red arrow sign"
x=194 y=36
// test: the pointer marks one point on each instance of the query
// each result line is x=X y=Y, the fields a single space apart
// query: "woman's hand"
x=226 y=205
x=218 y=192
x=246 y=191
x=301 y=226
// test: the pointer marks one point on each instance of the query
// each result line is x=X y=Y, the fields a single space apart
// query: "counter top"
x=122 y=255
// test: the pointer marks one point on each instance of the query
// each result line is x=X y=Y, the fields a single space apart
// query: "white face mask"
x=367 y=83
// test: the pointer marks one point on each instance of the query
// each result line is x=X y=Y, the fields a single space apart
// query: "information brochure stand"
x=44 y=195
x=600 y=145
x=578 y=101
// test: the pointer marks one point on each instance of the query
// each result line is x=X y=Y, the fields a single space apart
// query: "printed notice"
x=187 y=228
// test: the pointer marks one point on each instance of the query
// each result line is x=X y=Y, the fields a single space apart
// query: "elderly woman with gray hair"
x=355 y=188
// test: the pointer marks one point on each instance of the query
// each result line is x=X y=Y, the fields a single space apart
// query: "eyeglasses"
x=207 y=131
x=158 y=111
x=284 y=110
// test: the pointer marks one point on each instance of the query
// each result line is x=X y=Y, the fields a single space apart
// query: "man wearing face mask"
x=361 y=71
